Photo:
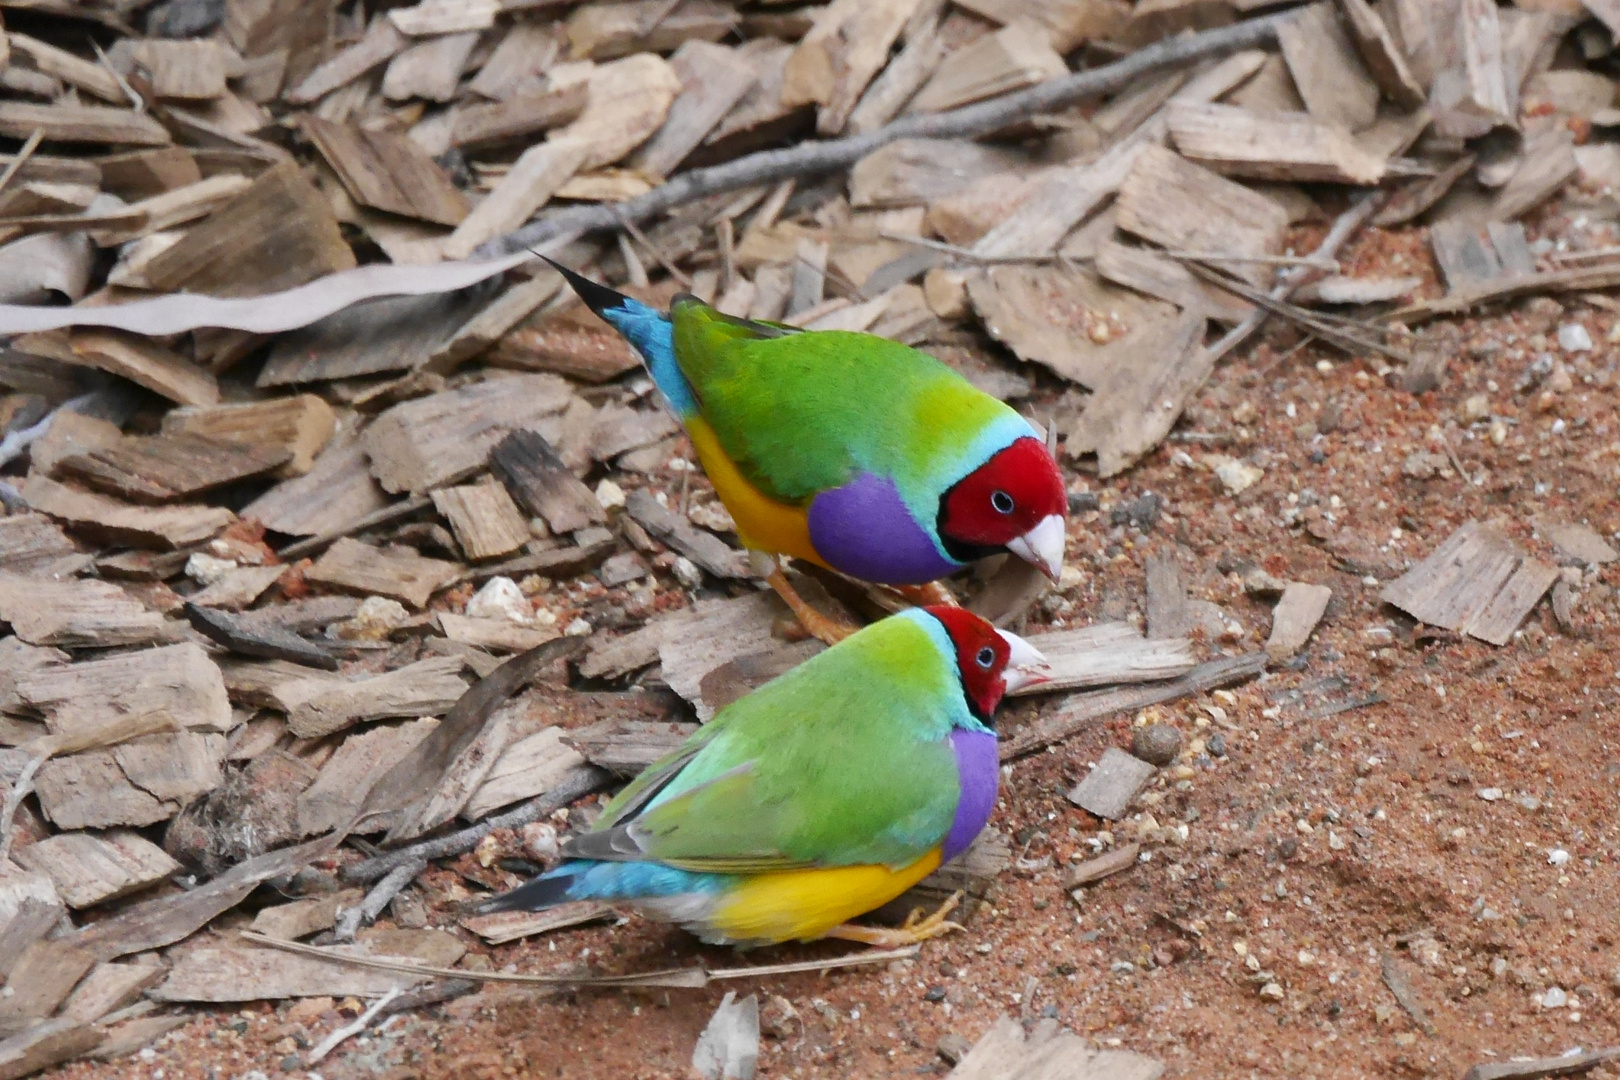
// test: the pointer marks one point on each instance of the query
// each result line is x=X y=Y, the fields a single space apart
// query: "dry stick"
x=334 y=1040
x=770 y=166
x=1346 y=226
x=367 y=910
x=579 y=782
x=22 y=156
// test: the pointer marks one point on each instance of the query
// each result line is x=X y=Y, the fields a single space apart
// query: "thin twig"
x=18 y=441
x=136 y=102
x=381 y=894
x=579 y=782
x=1311 y=261
x=20 y=788
x=334 y=1040
x=771 y=166
x=22 y=156
x=657 y=252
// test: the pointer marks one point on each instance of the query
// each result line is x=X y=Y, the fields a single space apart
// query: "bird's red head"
x=992 y=661
x=1013 y=502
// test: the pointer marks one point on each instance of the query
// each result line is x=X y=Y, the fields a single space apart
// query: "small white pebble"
x=1572 y=337
x=610 y=495
x=1557 y=857
x=1490 y=794
x=1554 y=998
x=578 y=628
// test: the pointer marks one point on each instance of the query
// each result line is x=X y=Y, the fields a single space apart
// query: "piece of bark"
x=1327 y=67
x=238 y=588
x=519 y=62
x=1294 y=618
x=278 y=233
x=301 y=425
x=337 y=491
x=257 y=683
x=533 y=474
x=247 y=637
x=381 y=43
x=1153 y=20
x=110 y=987
x=1113 y=782
x=319 y=707
x=1012 y=58
x=742 y=675
x=247 y=973
x=713 y=633
x=163 y=468
x=915 y=172
x=30 y=542
x=1577 y=542
x=420 y=445
x=1476 y=582
x=1005 y=1051
x=628 y=100
x=164 y=527
x=430 y=69
x=181 y=70
x=1109 y=653
x=89 y=697
x=1549 y=162
x=761 y=117
x=300 y=28
x=834 y=62
x=40 y=1045
x=1103 y=866
x=493 y=635
x=139 y=174
x=527 y=186
x=432 y=17
x=1162 y=278
x=526 y=768
x=627 y=747
x=81 y=124
x=1470 y=94
x=493 y=322
x=41 y=980
x=1574 y=1064
x=516 y=118
x=713 y=79
x=484 y=518
x=925 y=49
x=604 y=31
x=703 y=548
x=619 y=429
x=392 y=333
x=138 y=783
x=504 y=926
x=141 y=361
x=167 y=209
x=1066 y=318
x=350 y=773
x=1271 y=146
x=61 y=64
x=29 y=909
x=78 y=614
x=1385 y=61
x=1133 y=407
x=1470 y=256
x=360 y=568
x=388 y=171
x=1066 y=196
x=1173 y=202
x=1068 y=23
x=301 y=918
x=88 y=870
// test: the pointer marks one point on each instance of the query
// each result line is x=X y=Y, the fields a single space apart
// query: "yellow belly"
x=763 y=524
x=805 y=904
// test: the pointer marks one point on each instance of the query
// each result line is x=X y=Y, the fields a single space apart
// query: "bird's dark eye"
x=986 y=657
x=1002 y=502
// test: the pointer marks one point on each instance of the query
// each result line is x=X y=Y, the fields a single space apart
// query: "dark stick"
x=770 y=166
x=582 y=781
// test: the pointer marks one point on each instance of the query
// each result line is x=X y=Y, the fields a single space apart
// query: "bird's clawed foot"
x=823 y=627
x=915 y=930
x=934 y=593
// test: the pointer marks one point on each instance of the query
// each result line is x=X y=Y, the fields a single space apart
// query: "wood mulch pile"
x=298 y=446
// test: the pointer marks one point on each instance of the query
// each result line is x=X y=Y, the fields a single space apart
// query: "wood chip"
x=519 y=62
x=431 y=69
x=528 y=185
x=88 y=870
x=255 y=637
x=628 y=100
x=1327 y=67
x=1476 y=582
x=73 y=70
x=1109 y=653
x=182 y=70
x=1167 y=279
x=437 y=440
x=1103 y=866
x=352 y=771
x=302 y=918
x=337 y=492
x=360 y=568
x=516 y=117
x=526 y=768
x=29 y=909
x=914 y=172
x=113 y=986
x=167 y=527
x=1271 y=146
x=713 y=79
x=143 y=362
x=163 y=468
x=31 y=542
x=1385 y=61
x=278 y=233
x=1185 y=207
x=81 y=124
x=381 y=43
x=506 y=926
x=301 y=425
x=1578 y=542
x=78 y=614
x=138 y=783
x=396 y=333
x=248 y=973
x=495 y=635
x=1537 y=1068
x=1294 y=618
x=528 y=466
x=1006 y=1053
x=319 y=707
x=1012 y=58
x=1470 y=93
x=1068 y=23
x=238 y=588
x=484 y=518
x=835 y=61
x=703 y=548
x=388 y=171
x=430 y=17
x=1113 y=782
x=41 y=980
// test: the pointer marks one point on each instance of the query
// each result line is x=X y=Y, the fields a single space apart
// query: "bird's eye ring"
x=986 y=657
x=1002 y=502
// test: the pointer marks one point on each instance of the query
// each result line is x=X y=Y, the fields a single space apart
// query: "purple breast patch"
x=863 y=529
x=979 y=767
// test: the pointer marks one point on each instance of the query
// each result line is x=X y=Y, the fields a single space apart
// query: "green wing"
x=802 y=413
x=842 y=761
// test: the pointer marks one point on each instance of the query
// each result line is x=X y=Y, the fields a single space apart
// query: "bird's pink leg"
x=817 y=625
x=916 y=929
x=933 y=593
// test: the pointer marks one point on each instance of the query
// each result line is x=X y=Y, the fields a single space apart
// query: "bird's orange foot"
x=932 y=594
x=915 y=930
x=820 y=626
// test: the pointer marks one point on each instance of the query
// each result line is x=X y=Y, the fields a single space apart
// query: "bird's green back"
x=802 y=413
x=844 y=760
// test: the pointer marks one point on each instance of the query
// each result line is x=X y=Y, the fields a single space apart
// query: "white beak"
x=1025 y=663
x=1042 y=546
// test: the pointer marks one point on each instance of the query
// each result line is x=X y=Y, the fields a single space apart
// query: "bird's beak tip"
x=1042 y=546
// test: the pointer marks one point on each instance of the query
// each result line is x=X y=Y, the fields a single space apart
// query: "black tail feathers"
x=536 y=895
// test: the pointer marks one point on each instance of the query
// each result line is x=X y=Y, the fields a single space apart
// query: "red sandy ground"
x=1316 y=847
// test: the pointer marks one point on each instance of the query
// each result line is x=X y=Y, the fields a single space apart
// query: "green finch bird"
x=820 y=796
x=846 y=450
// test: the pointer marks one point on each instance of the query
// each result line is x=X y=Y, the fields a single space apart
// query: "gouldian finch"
x=820 y=796
x=846 y=450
